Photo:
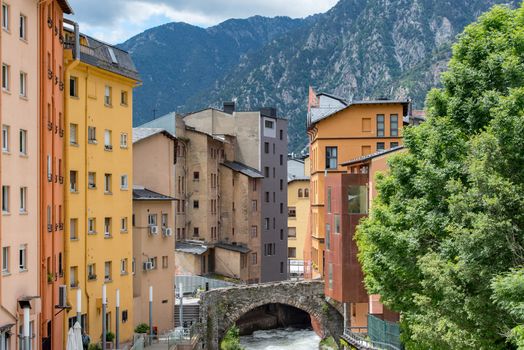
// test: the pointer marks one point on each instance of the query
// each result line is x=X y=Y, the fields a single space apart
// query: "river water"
x=281 y=339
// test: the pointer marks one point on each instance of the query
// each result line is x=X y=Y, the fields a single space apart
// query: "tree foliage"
x=449 y=217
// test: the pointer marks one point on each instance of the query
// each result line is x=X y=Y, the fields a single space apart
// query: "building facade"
x=339 y=130
x=98 y=178
x=154 y=157
x=19 y=229
x=51 y=179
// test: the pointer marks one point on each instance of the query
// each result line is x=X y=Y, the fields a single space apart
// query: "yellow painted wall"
x=354 y=132
x=300 y=222
x=89 y=109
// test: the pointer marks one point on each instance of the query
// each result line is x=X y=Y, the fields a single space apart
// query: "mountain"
x=359 y=49
x=178 y=60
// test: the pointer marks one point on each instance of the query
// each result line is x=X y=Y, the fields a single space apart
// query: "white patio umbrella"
x=71 y=341
x=77 y=330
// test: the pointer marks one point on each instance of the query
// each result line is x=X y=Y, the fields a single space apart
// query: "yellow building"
x=298 y=213
x=98 y=174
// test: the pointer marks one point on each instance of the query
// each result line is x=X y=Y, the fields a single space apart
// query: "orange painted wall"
x=52 y=88
x=344 y=130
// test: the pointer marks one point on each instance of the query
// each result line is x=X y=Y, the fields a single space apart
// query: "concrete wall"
x=227 y=263
x=19 y=170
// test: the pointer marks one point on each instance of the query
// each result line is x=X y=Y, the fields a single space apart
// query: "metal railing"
x=359 y=339
x=166 y=341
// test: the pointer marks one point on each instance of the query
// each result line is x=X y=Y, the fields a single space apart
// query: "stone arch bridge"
x=221 y=308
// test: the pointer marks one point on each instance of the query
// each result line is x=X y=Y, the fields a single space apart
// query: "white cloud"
x=117 y=20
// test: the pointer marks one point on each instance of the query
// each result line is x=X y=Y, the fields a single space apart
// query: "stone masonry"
x=221 y=308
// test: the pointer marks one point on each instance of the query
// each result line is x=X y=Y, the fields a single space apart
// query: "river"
x=281 y=339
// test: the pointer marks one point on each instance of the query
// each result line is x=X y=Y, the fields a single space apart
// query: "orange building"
x=51 y=186
x=337 y=131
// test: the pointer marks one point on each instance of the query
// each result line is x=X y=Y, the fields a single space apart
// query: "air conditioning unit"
x=148 y=265
x=153 y=230
x=62 y=297
x=167 y=231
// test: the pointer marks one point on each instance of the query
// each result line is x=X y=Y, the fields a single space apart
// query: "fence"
x=384 y=331
x=175 y=339
x=191 y=284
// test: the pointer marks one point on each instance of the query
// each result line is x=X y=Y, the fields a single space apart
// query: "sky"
x=115 y=21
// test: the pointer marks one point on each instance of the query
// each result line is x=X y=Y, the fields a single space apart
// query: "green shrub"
x=142 y=328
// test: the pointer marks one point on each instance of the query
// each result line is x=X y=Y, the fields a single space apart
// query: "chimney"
x=269 y=111
x=229 y=107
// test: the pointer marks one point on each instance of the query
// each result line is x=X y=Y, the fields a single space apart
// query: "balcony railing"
x=358 y=337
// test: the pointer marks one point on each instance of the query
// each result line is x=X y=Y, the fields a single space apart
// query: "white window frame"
x=108 y=273
x=73 y=185
x=23 y=84
x=123 y=140
x=108 y=136
x=91 y=134
x=123 y=266
x=23 y=142
x=5 y=138
x=23 y=27
x=73 y=134
x=5 y=260
x=5 y=16
x=91 y=226
x=91 y=180
x=123 y=224
x=6 y=72
x=123 y=182
x=23 y=200
x=22 y=257
x=108 y=223
x=107 y=95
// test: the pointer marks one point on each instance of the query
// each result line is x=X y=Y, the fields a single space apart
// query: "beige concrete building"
x=19 y=230
x=154 y=157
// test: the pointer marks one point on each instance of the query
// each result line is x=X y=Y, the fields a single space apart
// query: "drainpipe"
x=26 y=336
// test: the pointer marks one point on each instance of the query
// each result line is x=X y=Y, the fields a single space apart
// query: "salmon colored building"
x=51 y=181
x=20 y=304
x=340 y=131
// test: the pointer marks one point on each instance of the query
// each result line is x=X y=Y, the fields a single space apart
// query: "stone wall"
x=221 y=308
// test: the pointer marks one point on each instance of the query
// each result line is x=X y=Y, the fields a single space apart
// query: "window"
x=107 y=183
x=291 y=252
x=73 y=276
x=5 y=16
x=6 y=70
x=133 y=266
x=152 y=220
x=5 y=138
x=123 y=224
x=336 y=219
x=300 y=193
x=254 y=206
x=73 y=175
x=91 y=180
x=123 y=98
x=91 y=272
x=254 y=232
x=266 y=147
x=91 y=134
x=306 y=192
x=73 y=86
x=196 y=176
x=196 y=204
x=281 y=184
x=266 y=171
x=123 y=140
x=269 y=124
x=73 y=229
x=23 y=142
x=107 y=227
x=254 y=259
x=281 y=132
x=123 y=266
x=91 y=225
x=291 y=212
x=331 y=157
x=266 y=223
x=107 y=96
x=5 y=260
x=254 y=185
x=165 y=262
x=108 y=271
x=22 y=258
x=23 y=27
x=281 y=159
x=291 y=232
x=73 y=134
x=281 y=208
x=380 y=146
x=329 y=200
x=393 y=144
x=281 y=267
x=358 y=199
x=108 y=145
x=266 y=196
x=23 y=84
x=195 y=232
x=5 y=199
x=123 y=182
x=366 y=124
x=328 y=236
x=23 y=199
x=330 y=276
x=393 y=125
x=380 y=125
x=154 y=263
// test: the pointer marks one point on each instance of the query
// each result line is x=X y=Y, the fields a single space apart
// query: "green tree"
x=449 y=217
x=232 y=340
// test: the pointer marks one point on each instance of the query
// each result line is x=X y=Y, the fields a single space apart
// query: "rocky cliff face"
x=358 y=49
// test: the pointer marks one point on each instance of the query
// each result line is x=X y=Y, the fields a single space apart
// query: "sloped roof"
x=372 y=155
x=340 y=99
x=243 y=169
x=140 y=134
x=191 y=248
x=233 y=247
x=66 y=8
x=143 y=194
